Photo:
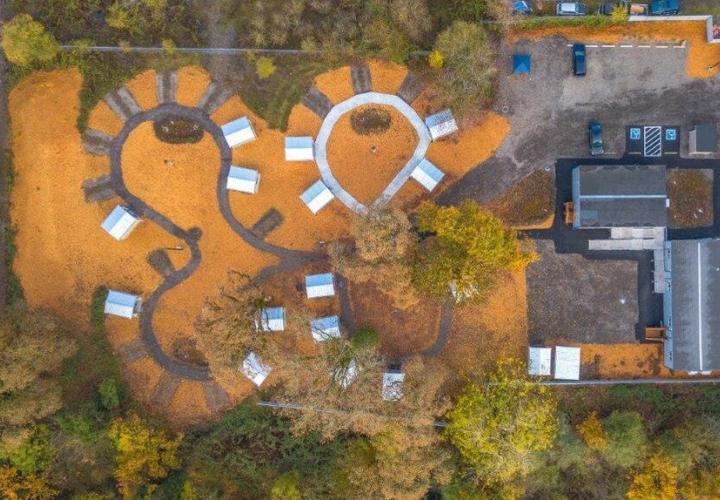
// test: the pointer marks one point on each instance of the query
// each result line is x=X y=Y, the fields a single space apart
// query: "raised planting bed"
x=370 y=120
x=178 y=130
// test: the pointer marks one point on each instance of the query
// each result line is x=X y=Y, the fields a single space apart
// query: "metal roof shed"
x=317 y=196
x=299 y=149
x=521 y=64
x=540 y=361
x=325 y=328
x=271 y=319
x=392 y=388
x=427 y=174
x=122 y=304
x=441 y=124
x=238 y=132
x=245 y=180
x=319 y=285
x=703 y=139
x=254 y=369
x=120 y=223
x=567 y=363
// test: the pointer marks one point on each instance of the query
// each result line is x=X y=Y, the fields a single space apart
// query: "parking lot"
x=549 y=109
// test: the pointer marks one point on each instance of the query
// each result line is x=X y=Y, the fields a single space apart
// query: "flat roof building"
x=238 y=132
x=254 y=369
x=606 y=196
x=122 y=304
x=317 y=196
x=245 y=180
x=299 y=149
x=319 y=285
x=392 y=388
x=441 y=124
x=567 y=363
x=691 y=305
x=325 y=328
x=427 y=174
x=703 y=139
x=271 y=319
x=540 y=361
x=120 y=223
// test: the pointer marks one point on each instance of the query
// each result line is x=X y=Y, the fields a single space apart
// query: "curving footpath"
x=348 y=105
x=290 y=259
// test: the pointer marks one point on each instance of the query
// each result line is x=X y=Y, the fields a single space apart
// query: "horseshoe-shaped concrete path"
x=290 y=259
x=326 y=129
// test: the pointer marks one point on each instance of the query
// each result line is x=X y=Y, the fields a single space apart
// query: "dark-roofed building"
x=606 y=196
x=703 y=139
x=690 y=305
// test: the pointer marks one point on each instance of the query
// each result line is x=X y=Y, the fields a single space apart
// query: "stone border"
x=328 y=124
x=708 y=23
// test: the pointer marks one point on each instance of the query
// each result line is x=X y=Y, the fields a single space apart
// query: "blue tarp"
x=521 y=7
x=521 y=64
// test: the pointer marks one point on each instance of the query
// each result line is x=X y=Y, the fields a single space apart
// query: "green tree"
x=469 y=70
x=497 y=426
x=467 y=249
x=35 y=454
x=143 y=454
x=286 y=487
x=26 y=42
x=626 y=439
x=109 y=394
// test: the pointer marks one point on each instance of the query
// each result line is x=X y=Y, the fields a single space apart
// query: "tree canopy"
x=25 y=41
x=467 y=248
x=498 y=425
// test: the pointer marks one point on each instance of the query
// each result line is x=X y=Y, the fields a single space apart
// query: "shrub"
x=436 y=59
x=109 y=394
x=365 y=338
x=264 y=67
x=26 y=42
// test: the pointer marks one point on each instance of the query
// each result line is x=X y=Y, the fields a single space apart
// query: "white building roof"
x=427 y=174
x=540 y=361
x=238 y=132
x=299 y=149
x=245 y=180
x=271 y=319
x=441 y=124
x=567 y=363
x=122 y=304
x=345 y=376
x=325 y=328
x=317 y=196
x=254 y=369
x=392 y=388
x=120 y=223
x=319 y=285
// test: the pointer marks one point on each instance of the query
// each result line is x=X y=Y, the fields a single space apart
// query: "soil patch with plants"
x=175 y=130
x=691 y=200
x=372 y=120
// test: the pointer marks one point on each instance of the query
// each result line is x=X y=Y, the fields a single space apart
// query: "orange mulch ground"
x=700 y=54
x=104 y=119
x=336 y=84
x=143 y=87
x=189 y=406
x=63 y=254
x=362 y=172
x=430 y=101
x=280 y=187
x=495 y=328
x=192 y=81
x=303 y=121
x=386 y=76
x=402 y=332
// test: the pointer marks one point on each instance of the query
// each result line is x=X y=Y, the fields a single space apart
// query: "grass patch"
x=274 y=97
x=372 y=120
x=95 y=361
x=557 y=22
x=529 y=202
x=14 y=288
x=691 y=201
